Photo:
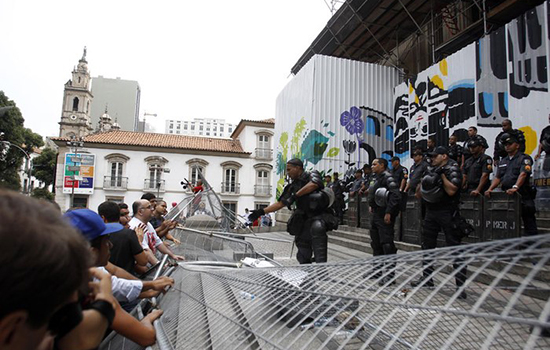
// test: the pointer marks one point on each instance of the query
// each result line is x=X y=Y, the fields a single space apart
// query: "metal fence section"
x=354 y=305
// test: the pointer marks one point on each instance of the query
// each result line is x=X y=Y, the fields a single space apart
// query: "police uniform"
x=500 y=152
x=441 y=212
x=508 y=172
x=399 y=173
x=311 y=217
x=415 y=175
x=455 y=153
x=339 y=204
x=466 y=150
x=381 y=233
x=474 y=168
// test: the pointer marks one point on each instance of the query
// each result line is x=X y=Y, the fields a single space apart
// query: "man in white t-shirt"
x=143 y=212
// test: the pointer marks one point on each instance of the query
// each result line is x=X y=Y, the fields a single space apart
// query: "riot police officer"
x=416 y=172
x=544 y=141
x=338 y=187
x=455 y=150
x=477 y=168
x=472 y=133
x=513 y=174
x=384 y=198
x=500 y=150
x=440 y=188
x=312 y=218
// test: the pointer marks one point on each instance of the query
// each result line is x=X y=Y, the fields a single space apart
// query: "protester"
x=124 y=214
x=151 y=198
x=162 y=226
x=143 y=212
x=42 y=267
x=126 y=251
x=98 y=233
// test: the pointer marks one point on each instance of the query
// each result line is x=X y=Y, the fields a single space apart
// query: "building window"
x=263 y=180
x=230 y=179
x=75 y=104
x=184 y=126
x=115 y=178
x=200 y=127
x=197 y=168
x=192 y=126
x=221 y=128
x=230 y=206
x=117 y=200
x=207 y=133
x=171 y=126
x=116 y=174
x=155 y=170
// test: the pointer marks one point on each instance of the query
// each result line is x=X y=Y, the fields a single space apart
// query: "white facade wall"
x=137 y=171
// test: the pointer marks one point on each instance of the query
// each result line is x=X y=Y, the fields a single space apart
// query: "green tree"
x=13 y=131
x=43 y=166
x=42 y=193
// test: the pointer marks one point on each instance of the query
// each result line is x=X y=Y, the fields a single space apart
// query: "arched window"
x=263 y=179
x=230 y=179
x=116 y=168
x=197 y=167
x=155 y=166
x=75 y=104
x=263 y=144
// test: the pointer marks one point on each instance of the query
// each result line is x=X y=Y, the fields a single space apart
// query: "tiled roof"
x=119 y=137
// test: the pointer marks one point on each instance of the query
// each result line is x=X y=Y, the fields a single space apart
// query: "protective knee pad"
x=389 y=249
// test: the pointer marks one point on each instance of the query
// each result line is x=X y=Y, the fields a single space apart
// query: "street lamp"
x=75 y=143
x=27 y=163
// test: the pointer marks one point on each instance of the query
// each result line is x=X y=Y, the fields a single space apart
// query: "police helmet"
x=430 y=188
x=474 y=142
x=381 y=197
x=318 y=200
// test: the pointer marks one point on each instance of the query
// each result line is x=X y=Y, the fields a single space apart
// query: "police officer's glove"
x=288 y=201
x=255 y=214
x=439 y=170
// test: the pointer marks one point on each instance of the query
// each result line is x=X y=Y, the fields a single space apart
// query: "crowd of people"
x=82 y=268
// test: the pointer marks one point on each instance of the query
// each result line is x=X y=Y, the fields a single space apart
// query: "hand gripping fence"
x=365 y=304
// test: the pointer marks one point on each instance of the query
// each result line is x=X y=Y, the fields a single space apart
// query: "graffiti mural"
x=502 y=75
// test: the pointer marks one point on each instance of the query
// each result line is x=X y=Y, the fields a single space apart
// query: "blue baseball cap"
x=90 y=224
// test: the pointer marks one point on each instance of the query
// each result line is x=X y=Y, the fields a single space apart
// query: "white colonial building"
x=121 y=166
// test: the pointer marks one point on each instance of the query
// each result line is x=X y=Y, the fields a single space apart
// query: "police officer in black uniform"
x=416 y=172
x=384 y=199
x=477 y=169
x=472 y=133
x=513 y=174
x=312 y=218
x=455 y=150
x=500 y=150
x=440 y=189
x=338 y=187
x=544 y=141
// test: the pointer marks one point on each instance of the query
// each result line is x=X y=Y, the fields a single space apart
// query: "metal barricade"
x=502 y=216
x=353 y=214
x=412 y=221
x=364 y=213
x=471 y=208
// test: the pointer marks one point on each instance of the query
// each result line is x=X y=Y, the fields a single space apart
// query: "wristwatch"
x=516 y=187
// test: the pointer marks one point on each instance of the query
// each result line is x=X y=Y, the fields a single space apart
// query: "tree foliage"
x=11 y=158
x=42 y=193
x=43 y=166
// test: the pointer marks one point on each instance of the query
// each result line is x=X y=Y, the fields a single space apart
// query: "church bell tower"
x=77 y=99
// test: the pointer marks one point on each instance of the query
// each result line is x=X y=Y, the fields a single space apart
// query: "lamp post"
x=75 y=143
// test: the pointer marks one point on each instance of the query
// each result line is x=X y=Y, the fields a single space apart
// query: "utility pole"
x=75 y=143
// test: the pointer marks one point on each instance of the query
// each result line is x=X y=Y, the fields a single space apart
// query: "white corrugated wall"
x=332 y=103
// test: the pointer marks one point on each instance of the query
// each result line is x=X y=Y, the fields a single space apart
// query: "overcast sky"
x=192 y=59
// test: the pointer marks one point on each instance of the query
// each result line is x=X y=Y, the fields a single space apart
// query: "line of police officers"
x=437 y=176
